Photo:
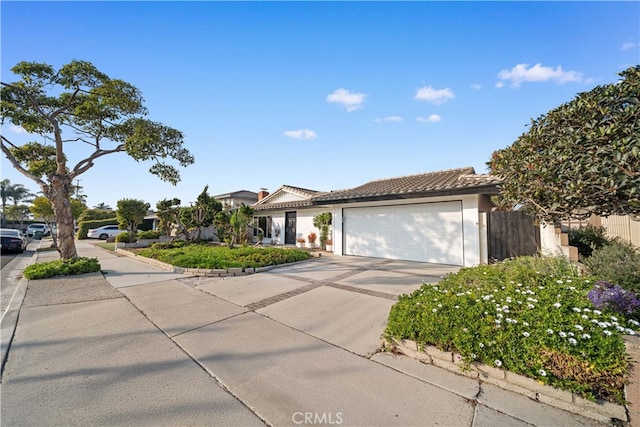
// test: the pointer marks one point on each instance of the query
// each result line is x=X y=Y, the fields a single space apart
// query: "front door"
x=289 y=228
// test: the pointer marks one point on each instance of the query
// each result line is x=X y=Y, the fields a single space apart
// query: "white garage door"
x=428 y=232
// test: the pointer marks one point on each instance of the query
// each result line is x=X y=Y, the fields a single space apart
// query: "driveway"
x=344 y=301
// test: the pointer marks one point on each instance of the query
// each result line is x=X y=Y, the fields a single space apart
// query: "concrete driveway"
x=344 y=301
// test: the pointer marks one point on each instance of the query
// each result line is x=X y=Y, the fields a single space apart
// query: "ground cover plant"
x=221 y=257
x=44 y=270
x=531 y=316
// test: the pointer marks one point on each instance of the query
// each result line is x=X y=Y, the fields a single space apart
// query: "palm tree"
x=102 y=206
x=13 y=192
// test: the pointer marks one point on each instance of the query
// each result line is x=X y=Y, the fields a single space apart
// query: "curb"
x=599 y=410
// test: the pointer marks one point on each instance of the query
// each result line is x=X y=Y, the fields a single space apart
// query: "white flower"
x=531 y=306
x=526 y=334
x=585 y=317
x=562 y=334
x=572 y=341
x=586 y=336
x=629 y=331
x=579 y=327
x=594 y=321
x=576 y=309
x=614 y=318
x=499 y=315
x=498 y=363
x=481 y=345
x=602 y=324
x=620 y=328
x=439 y=305
x=586 y=310
x=550 y=331
x=559 y=282
x=607 y=332
x=634 y=322
x=572 y=288
x=571 y=334
x=434 y=310
x=557 y=305
x=457 y=306
x=524 y=323
x=597 y=311
x=474 y=356
x=542 y=372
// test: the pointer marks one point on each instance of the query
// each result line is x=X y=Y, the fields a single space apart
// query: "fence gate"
x=511 y=234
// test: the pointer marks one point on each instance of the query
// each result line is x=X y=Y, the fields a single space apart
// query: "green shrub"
x=123 y=237
x=69 y=267
x=151 y=234
x=85 y=226
x=213 y=257
x=587 y=239
x=617 y=263
x=530 y=316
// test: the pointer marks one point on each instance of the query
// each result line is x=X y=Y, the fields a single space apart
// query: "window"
x=263 y=223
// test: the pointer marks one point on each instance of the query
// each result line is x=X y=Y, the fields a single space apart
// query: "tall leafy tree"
x=581 y=158
x=41 y=208
x=168 y=211
x=200 y=214
x=81 y=106
x=130 y=213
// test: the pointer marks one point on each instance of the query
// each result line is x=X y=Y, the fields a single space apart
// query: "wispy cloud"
x=628 y=45
x=394 y=119
x=435 y=96
x=476 y=86
x=16 y=129
x=538 y=73
x=300 y=134
x=434 y=118
x=349 y=100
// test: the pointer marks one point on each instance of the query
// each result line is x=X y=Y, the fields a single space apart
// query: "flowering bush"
x=605 y=295
x=530 y=316
x=312 y=237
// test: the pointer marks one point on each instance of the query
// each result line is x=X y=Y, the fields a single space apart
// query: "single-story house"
x=431 y=217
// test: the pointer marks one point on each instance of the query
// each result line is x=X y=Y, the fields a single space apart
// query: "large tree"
x=79 y=105
x=581 y=158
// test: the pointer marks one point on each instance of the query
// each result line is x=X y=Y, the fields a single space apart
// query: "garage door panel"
x=430 y=232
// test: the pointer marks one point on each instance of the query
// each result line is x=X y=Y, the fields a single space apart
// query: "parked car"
x=104 y=232
x=12 y=240
x=44 y=228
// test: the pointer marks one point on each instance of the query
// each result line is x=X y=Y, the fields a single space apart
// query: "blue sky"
x=323 y=95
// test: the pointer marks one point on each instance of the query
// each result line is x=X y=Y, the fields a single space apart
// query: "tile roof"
x=452 y=181
x=304 y=193
x=440 y=183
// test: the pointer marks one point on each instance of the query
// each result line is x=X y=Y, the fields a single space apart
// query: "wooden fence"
x=511 y=234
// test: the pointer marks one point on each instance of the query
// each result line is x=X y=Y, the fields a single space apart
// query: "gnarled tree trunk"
x=58 y=193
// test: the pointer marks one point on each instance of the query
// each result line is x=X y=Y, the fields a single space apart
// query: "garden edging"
x=599 y=410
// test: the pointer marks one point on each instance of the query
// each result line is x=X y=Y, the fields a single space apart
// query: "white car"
x=44 y=228
x=104 y=232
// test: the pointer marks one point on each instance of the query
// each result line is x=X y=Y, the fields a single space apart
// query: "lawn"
x=532 y=316
x=222 y=257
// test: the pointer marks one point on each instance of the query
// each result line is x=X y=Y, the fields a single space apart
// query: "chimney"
x=262 y=193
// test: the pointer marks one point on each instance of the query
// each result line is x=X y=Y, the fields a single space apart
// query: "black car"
x=12 y=240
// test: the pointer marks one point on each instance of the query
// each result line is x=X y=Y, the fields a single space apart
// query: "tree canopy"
x=579 y=159
x=77 y=105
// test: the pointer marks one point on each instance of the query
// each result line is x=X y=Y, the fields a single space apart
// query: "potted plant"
x=300 y=242
x=329 y=244
x=312 y=240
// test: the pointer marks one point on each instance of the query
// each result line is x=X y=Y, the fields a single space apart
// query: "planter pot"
x=329 y=248
x=299 y=245
x=311 y=245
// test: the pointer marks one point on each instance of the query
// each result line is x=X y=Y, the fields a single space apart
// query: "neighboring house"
x=236 y=199
x=431 y=217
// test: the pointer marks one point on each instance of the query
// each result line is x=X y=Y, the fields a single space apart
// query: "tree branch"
x=16 y=164
x=87 y=163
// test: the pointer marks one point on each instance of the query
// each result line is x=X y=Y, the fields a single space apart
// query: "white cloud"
x=434 y=118
x=476 y=86
x=538 y=73
x=16 y=129
x=300 y=134
x=394 y=119
x=349 y=100
x=435 y=96
x=627 y=46
x=500 y=84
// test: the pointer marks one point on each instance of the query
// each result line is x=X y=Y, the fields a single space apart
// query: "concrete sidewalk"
x=296 y=345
